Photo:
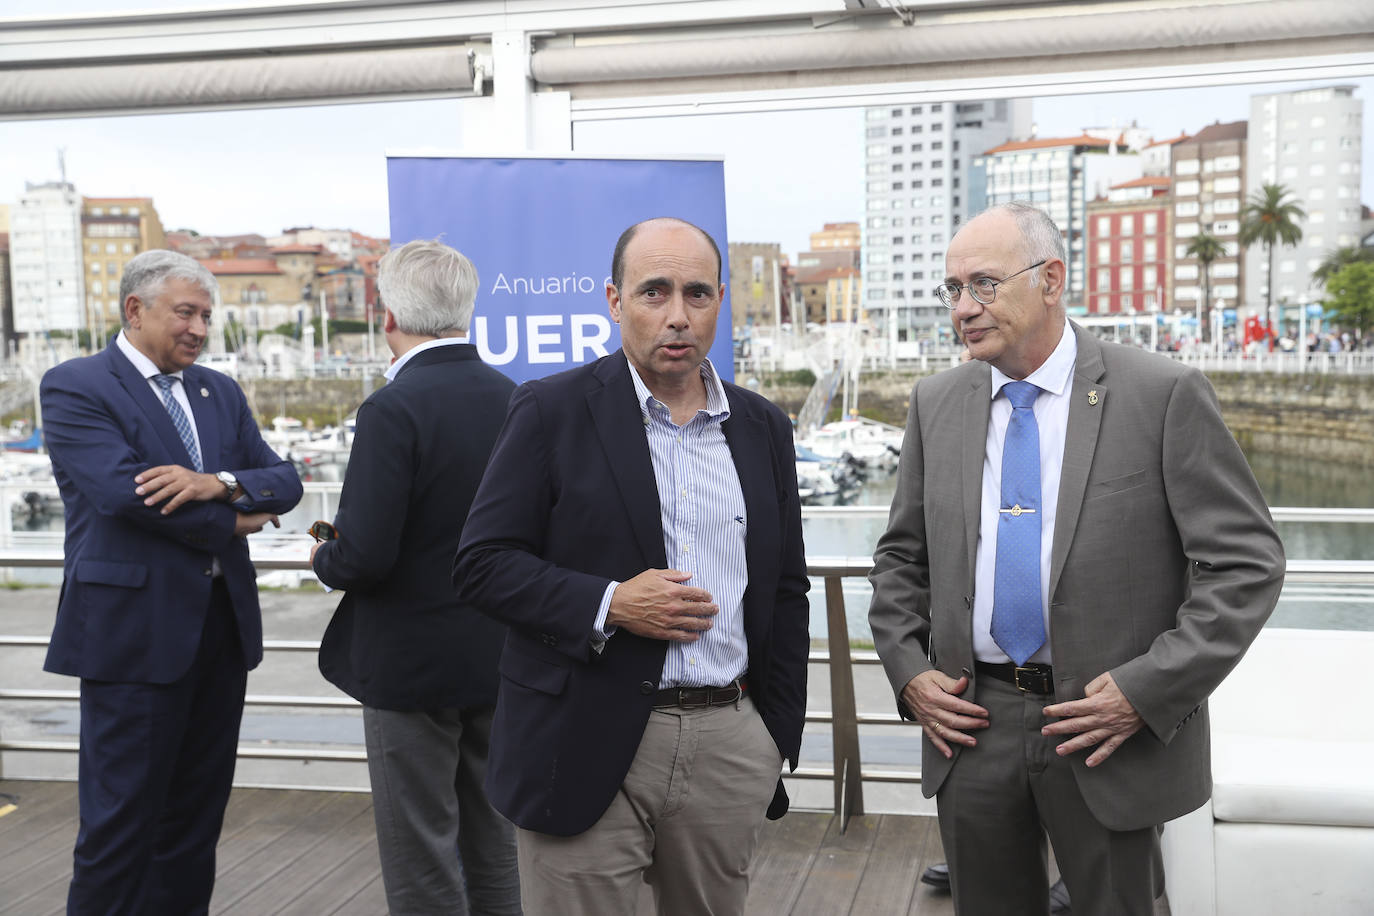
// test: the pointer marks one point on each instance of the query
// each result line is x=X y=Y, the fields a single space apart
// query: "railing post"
x=844 y=727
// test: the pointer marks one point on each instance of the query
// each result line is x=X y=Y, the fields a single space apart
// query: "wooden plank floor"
x=315 y=853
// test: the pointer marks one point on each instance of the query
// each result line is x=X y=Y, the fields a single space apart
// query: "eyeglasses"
x=323 y=531
x=982 y=289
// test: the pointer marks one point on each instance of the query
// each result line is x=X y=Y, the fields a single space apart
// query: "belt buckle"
x=682 y=698
x=1036 y=680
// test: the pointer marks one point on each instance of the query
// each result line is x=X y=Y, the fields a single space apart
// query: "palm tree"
x=1270 y=219
x=1206 y=248
x=1337 y=258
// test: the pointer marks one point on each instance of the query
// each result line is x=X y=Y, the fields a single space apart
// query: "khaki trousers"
x=686 y=821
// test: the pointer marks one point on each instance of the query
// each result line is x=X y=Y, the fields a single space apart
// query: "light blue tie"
x=179 y=420
x=1018 y=623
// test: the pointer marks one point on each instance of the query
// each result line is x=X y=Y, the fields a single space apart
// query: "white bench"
x=1290 y=827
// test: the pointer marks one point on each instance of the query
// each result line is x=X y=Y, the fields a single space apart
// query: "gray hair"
x=147 y=272
x=429 y=287
x=1040 y=237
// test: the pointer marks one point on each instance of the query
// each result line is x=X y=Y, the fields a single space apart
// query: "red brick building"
x=1128 y=253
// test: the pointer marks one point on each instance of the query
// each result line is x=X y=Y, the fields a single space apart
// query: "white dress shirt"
x=1055 y=379
x=147 y=368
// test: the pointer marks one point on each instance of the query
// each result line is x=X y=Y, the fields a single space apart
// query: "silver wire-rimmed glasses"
x=982 y=289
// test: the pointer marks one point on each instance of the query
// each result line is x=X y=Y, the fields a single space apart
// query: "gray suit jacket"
x=1165 y=563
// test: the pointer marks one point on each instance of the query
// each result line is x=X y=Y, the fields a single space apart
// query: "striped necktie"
x=179 y=419
x=1018 y=623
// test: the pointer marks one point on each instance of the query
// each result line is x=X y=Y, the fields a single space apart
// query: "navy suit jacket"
x=568 y=504
x=400 y=639
x=136 y=584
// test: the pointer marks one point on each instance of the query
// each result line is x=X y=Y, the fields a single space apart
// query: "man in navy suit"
x=422 y=664
x=639 y=529
x=163 y=475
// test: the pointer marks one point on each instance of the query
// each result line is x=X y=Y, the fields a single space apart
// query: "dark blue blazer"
x=400 y=639
x=569 y=503
x=136 y=584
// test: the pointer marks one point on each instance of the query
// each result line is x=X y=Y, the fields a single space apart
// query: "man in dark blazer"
x=422 y=664
x=163 y=475
x=639 y=529
x=1072 y=703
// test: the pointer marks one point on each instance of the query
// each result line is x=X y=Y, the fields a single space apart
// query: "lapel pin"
x=205 y=392
x=1092 y=398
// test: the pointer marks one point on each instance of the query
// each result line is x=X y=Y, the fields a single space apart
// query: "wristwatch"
x=230 y=482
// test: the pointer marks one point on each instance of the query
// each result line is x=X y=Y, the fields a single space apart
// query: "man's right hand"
x=655 y=604
x=932 y=697
x=247 y=523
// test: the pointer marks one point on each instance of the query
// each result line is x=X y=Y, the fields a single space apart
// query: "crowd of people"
x=575 y=610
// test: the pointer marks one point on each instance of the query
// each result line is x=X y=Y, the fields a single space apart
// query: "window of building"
x=1185 y=230
x=1316 y=216
x=876 y=276
x=896 y=131
x=1226 y=269
x=1227 y=163
x=917 y=129
x=937 y=182
x=1185 y=272
x=1128 y=224
x=896 y=112
x=936 y=108
x=876 y=132
x=1150 y=223
x=876 y=149
x=937 y=163
x=110 y=247
x=897 y=149
x=1127 y=251
x=1104 y=278
x=95 y=248
x=1127 y=302
x=1104 y=225
x=1125 y=277
x=1104 y=252
x=1150 y=250
x=877 y=222
x=896 y=167
x=1317 y=121
x=1186 y=208
x=1317 y=193
x=937 y=144
x=1186 y=167
x=1186 y=188
x=1226 y=205
x=1317 y=169
x=916 y=109
x=1225 y=227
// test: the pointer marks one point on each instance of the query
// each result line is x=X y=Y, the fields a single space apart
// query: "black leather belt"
x=1037 y=679
x=698 y=697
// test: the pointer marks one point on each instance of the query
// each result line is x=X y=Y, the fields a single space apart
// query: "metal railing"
x=847 y=773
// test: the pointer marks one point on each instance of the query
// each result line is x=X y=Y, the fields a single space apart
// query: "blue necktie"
x=1018 y=623
x=179 y=420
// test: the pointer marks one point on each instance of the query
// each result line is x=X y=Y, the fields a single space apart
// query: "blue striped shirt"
x=701 y=507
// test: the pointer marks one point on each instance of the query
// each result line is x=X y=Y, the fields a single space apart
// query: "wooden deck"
x=315 y=853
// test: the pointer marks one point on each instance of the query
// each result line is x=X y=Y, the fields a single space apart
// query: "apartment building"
x=1310 y=142
x=917 y=162
x=1209 y=192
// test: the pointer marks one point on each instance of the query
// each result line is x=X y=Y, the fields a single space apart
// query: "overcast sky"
x=265 y=170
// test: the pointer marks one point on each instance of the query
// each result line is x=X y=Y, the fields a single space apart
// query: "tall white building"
x=1060 y=175
x=45 y=259
x=917 y=161
x=1309 y=142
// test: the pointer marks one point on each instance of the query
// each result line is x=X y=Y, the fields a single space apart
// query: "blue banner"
x=541 y=233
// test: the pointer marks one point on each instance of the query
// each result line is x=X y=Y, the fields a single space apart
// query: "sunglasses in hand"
x=323 y=531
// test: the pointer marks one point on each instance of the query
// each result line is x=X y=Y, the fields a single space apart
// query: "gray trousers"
x=444 y=849
x=1001 y=799
x=687 y=821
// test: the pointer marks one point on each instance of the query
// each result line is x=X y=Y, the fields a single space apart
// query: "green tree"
x=1271 y=220
x=1337 y=258
x=1206 y=248
x=1350 y=294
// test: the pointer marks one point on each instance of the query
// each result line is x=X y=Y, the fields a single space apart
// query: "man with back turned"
x=422 y=664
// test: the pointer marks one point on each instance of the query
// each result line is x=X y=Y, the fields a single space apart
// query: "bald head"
x=618 y=258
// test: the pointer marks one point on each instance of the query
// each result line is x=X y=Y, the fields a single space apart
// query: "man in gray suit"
x=1077 y=555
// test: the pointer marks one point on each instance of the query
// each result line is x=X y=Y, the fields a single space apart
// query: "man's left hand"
x=177 y=485
x=1103 y=718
